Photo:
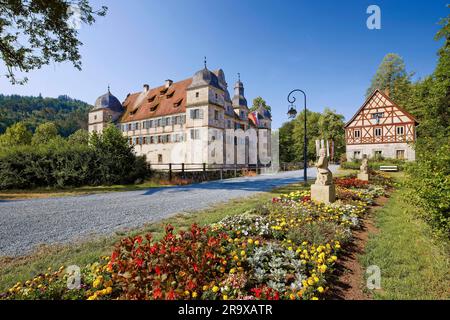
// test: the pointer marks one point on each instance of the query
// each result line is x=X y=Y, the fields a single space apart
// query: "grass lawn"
x=21 y=269
x=53 y=192
x=414 y=265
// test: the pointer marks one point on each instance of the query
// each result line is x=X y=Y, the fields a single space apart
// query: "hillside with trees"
x=66 y=113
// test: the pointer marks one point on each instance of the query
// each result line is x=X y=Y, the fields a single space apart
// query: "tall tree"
x=34 y=33
x=16 y=135
x=260 y=102
x=391 y=75
x=44 y=133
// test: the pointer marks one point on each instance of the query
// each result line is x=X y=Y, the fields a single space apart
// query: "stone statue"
x=364 y=165
x=323 y=189
x=364 y=169
x=324 y=176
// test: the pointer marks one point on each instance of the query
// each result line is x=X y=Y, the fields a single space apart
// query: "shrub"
x=351 y=183
x=429 y=182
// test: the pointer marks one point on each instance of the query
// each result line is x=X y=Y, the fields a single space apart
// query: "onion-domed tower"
x=107 y=109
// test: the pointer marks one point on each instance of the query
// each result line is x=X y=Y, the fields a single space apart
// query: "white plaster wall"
x=387 y=150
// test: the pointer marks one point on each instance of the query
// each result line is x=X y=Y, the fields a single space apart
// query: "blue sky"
x=322 y=47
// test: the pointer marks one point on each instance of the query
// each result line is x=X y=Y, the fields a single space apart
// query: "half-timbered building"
x=381 y=128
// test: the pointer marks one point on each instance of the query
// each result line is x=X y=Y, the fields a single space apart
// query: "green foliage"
x=15 y=135
x=260 y=102
x=35 y=33
x=60 y=162
x=67 y=114
x=327 y=125
x=80 y=136
x=44 y=133
x=354 y=164
x=429 y=182
x=391 y=75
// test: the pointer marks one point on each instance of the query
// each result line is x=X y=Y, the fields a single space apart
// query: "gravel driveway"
x=27 y=223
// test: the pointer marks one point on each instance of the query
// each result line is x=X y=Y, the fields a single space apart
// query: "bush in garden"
x=429 y=181
x=177 y=267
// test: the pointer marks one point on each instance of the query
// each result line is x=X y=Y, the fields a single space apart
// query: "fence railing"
x=184 y=168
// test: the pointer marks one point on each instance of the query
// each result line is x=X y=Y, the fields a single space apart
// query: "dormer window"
x=177 y=103
x=170 y=94
x=154 y=107
x=152 y=98
x=163 y=90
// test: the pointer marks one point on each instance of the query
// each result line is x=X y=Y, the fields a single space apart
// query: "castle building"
x=193 y=121
x=381 y=128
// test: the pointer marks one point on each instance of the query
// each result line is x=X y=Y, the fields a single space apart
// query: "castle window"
x=152 y=139
x=400 y=131
x=95 y=117
x=216 y=115
x=196 y=114
x=197 y=94
x=378 y=132
x=160 y=158
x=129 y=127
x=144 y=140
x=195 y=134
x=357 y=133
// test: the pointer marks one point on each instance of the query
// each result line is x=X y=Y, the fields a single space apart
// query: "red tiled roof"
x=138 y=107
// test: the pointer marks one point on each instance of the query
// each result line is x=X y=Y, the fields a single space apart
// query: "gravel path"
x=27 y=223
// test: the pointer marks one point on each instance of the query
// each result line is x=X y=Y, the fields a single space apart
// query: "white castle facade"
x=193 y=121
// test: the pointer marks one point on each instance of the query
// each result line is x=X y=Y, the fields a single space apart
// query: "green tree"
x=331 y=127
x=391 y=75
x=257 y=102
x=45 y=133
x=16 y=135
x=286 y=142
x=80 y=137
x=49 y=30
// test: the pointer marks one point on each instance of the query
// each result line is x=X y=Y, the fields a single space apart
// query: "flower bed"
x=286 y=251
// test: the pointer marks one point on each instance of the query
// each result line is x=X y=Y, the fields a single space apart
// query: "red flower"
x=139 y=262
x=157 y=293
x=158 y=270
x=195 y=267
x=171 y=295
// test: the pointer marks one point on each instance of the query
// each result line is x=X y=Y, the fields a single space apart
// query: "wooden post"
x=170 y=171
x=182 y=170
x=204 y=172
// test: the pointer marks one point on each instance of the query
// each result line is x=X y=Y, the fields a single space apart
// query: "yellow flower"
x=314 y=298
x=320 y=289
x=334 y=258
x=242 y=253
x=323 y=268
x=205 y=287
x=215 y=289
x=93 y=297
x=194 y=294
x=292 y=296
x=187 y=293
x=108 y=290
x=250 y=241
x=257 y=243
x=233 y=270
x=97 y=282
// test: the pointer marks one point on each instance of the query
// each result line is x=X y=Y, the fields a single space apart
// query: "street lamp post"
x=292 y=112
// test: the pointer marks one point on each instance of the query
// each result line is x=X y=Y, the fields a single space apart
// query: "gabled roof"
x=387 y=98
x=156 y=102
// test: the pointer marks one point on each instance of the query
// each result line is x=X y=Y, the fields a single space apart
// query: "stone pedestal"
x=363 y=176
x=326 y=194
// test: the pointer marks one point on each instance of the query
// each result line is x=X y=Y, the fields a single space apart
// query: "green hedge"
x=374 y=164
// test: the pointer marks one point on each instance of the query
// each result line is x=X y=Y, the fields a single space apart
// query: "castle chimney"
x=146 y=87
x=168 y=83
